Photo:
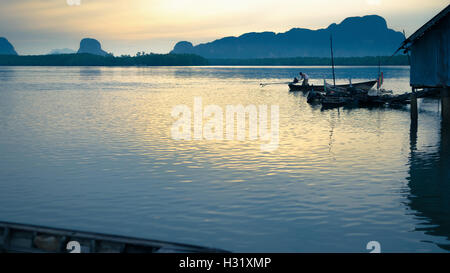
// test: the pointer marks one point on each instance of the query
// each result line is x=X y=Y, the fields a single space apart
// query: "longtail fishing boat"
x=19 y=238
x=366 y=86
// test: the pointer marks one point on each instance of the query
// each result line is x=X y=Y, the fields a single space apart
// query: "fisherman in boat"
x=305 y=78
x=295 y=80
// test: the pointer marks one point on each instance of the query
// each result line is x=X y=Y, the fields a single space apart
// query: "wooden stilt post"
x=414 y=111
x=445 y=102
x=445 y=130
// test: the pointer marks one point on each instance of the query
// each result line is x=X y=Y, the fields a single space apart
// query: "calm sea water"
x=90 y=148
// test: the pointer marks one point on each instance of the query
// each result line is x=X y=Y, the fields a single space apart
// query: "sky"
x=129 y=26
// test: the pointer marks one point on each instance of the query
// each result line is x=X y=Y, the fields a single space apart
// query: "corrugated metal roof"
x=421 y=31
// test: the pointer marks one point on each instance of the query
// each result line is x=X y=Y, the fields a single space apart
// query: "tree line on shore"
x=370 y=60
x=85 y=59
x=143 y=59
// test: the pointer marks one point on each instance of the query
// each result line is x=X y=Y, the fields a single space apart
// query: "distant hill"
x=62 y=51
x=353 y=37
x=6 y=48
x=91 y=46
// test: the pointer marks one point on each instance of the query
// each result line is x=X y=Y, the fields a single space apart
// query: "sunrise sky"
x=125 y=27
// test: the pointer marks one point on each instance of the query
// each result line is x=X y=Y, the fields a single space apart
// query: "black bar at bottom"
x=227 y=262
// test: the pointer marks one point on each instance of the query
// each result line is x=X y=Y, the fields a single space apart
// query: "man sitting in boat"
x=304 y=77
x=295 y=80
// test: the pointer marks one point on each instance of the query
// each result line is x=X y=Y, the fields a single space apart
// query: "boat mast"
x=332 y=60
x=379 y=73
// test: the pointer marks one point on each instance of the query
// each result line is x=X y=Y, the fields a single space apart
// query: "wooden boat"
x=314 y=96
x=366 y=86
x=36 y=239
x=335 y=101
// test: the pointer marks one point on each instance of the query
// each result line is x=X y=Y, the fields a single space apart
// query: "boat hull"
x=19 y=238
x=320 y=88
x=335 y=101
